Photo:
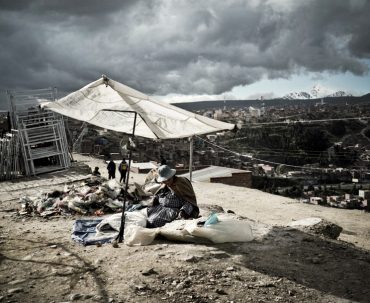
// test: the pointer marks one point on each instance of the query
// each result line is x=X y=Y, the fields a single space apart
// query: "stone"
x=98 y=262
x=149 y=272
x=75 y=297
x=181 y=285
x=15 y=290
x=98 y=298
x=141 y=287
x=19 y=281
x=220 y=291
x=192 y=259
x=27 y=258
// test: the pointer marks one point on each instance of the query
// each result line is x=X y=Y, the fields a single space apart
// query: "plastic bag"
x=113 y=204
x=113 y=222
x=227 y=229
x=212 y=219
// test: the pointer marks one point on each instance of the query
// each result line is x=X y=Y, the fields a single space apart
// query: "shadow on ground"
x=329 y=266
x=29 y=265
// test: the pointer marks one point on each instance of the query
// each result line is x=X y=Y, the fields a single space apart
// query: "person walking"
x=123 y=170
x=111 y=170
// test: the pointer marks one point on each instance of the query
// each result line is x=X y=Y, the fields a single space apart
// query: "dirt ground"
x=40 y=263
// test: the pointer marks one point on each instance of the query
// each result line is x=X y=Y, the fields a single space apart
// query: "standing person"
x=163 y=160
x=123 y=170
x=111 y=169
x=174 y=199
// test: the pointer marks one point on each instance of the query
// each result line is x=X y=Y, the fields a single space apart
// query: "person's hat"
x=165 y=173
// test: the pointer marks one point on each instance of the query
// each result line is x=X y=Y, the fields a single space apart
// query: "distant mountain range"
x=316 y=92
x=339 y=98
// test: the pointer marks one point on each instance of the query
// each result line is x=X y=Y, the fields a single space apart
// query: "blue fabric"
x=84 y=231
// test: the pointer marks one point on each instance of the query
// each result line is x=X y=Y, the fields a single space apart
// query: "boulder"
x=318 y=226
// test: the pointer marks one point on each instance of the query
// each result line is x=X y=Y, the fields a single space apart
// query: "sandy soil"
x=40 y=262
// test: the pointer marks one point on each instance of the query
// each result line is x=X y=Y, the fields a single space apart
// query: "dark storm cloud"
x=67 y=7
x=180 y=46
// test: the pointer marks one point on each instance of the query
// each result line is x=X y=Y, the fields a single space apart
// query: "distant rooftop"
x=143 y=165
x=205 y=174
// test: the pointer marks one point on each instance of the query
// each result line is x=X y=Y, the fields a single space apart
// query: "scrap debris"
x=94 y=196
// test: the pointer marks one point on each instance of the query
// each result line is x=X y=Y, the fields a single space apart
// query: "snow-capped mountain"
x=295 y=96
x=318 y=91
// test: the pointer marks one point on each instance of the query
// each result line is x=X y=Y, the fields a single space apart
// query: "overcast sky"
x=187 y=48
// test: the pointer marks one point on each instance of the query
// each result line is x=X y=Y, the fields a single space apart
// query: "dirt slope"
x=40 y=263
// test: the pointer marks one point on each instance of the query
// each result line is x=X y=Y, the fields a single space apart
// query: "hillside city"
x=316 y=150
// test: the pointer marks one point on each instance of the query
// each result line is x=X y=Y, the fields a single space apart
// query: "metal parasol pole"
x=122 y=227
x=191 y=139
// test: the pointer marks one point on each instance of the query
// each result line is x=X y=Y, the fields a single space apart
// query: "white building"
x=316 y=200
x=254 y=112
x=218 y=114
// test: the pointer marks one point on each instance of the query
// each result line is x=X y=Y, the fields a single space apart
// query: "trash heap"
x=94 y=196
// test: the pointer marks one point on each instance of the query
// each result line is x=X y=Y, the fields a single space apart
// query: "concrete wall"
x=243 y=179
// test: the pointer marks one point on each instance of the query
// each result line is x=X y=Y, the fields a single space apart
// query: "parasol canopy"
x=109 y=104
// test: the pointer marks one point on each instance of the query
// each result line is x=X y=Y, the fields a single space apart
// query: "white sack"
x=137 y=235
x=228 y=229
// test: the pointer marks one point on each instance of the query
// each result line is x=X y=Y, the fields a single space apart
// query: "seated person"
x=96 y=171
x=174 y=199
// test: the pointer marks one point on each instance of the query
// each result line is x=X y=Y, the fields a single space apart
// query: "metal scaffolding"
x=9 y=156
x=42 y=133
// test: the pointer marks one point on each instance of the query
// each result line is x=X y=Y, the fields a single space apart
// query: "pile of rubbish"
x=94 y=196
